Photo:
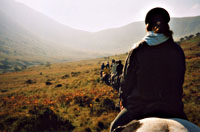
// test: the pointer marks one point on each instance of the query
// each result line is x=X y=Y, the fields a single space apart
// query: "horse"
x=154 y=124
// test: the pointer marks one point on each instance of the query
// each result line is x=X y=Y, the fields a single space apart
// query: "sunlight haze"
x=95 y=15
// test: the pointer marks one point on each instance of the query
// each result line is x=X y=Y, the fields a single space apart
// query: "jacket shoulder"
x=178 y=48
x=138 y=45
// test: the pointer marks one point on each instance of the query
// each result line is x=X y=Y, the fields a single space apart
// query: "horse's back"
x=188 y=125
x=167 y=125
x=160 y=125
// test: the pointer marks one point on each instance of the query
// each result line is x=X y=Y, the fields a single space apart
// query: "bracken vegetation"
x=71 y=97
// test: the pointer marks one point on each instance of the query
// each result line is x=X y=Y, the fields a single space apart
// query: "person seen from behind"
x=113 y=70
x=108 y=64
x=153 y=75
x=113 y=67
x=102 y=68
x=119 y=68
x=117 y=77
x=106 y=74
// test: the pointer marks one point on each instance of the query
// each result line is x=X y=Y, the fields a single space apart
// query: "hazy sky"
x=94 y=15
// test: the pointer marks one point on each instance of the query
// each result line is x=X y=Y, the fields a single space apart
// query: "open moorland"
x=71 y=97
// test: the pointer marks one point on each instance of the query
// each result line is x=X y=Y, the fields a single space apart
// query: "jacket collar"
x=153 y=39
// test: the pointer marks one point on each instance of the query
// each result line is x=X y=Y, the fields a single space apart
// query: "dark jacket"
x=119 y=69
x=152 y=80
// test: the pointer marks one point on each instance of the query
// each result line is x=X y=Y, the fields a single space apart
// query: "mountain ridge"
x=27 y=35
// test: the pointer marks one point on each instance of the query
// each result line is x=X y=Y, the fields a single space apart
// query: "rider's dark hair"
x=160 y=28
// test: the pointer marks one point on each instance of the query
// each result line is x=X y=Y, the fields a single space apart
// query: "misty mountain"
x=185 y=26
x=29 y=33
x=124 y=37
x=108 y=41
x=26 y=34
x=42 y=26
x=24 y=40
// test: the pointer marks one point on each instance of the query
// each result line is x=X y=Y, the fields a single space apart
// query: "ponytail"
x=160 y=28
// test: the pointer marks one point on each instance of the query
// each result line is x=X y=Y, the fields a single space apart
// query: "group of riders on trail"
x=110 y=74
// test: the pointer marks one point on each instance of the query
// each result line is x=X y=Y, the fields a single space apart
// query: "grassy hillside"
x=191 y=86
x=71 y=96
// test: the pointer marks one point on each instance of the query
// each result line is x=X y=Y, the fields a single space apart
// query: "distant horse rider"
x=102 y=68
x=106 y=75
x=108 y=65
x=117 y=76
x=119 y=68
x=113 y=69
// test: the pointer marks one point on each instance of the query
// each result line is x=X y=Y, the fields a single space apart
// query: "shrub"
x=83 y=100
x=75 y=74
x=30 y=81
x=108 y=104
x=43 y=119
x=48 y=83
x=58 y=85
x=40 y=118
x=65 y=76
